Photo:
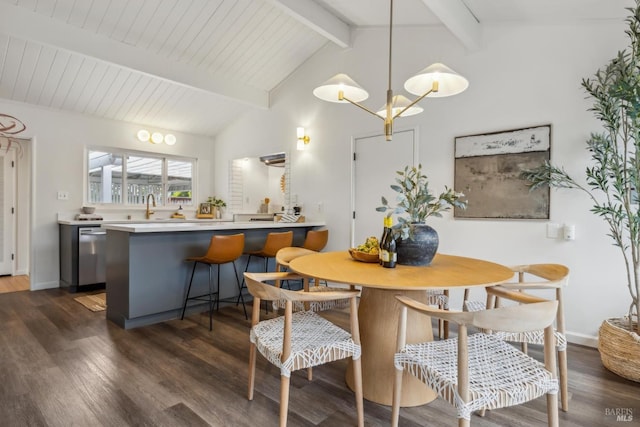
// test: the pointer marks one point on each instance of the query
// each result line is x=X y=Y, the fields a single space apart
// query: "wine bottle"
x=389 y=251
x=385 y=231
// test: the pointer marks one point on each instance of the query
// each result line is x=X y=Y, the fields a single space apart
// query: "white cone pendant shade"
x=449 y=82
x=328 y=91
x=400 y=102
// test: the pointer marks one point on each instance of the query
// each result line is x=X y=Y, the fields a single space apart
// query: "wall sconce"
x=156 y=137
x=302 y=139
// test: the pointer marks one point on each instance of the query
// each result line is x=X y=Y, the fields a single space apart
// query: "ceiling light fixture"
x=303 y=139
x=156 y=137
x=435 y=81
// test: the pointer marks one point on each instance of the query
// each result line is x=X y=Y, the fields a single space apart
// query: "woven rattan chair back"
x=480 y=371
x=537 y=277
x=287 y=343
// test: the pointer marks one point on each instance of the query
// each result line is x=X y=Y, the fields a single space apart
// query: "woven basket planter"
x=619 y=349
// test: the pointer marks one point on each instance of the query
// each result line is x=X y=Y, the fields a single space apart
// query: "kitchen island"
x=147 y=275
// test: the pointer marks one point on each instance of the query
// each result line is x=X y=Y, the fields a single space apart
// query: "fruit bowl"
x=363 y=256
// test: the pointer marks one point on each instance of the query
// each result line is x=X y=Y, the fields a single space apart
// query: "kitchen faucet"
x=149 y=213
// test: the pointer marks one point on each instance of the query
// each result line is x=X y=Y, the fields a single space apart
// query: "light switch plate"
x=553 y=230
x=63 y=195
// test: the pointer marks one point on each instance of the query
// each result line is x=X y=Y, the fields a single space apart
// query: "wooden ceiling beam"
x=455 y=15
x=317 y=18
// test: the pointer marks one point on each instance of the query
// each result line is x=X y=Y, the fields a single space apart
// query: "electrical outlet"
x=63 y=195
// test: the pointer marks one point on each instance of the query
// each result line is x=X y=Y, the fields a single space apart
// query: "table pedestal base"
x=378 y=315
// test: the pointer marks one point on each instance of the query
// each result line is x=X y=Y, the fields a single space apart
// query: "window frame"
x=165 y=158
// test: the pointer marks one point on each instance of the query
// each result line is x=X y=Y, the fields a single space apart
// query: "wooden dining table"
x=379 y=311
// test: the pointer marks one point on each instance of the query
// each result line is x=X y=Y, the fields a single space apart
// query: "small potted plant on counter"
x=417 y=242
x=216 y=206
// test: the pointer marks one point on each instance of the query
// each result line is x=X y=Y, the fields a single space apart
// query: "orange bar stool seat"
x=273 y=243
x=223 y=249
x=316 y=240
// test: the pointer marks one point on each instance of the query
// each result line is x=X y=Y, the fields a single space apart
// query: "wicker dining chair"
x=553 y=277
x=481 y=371
x=300 y=339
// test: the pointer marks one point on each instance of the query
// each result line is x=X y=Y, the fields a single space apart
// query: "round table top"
x=444 y=272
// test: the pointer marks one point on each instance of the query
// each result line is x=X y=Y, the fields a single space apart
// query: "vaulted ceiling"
x=194 y=65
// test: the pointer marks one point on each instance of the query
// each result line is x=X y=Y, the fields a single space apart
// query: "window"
x=127 y=177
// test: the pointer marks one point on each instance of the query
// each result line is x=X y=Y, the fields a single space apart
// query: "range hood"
x=277 y=159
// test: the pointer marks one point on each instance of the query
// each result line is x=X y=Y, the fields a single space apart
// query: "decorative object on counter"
x=216 y=206
x=612 y=180
x=289 y=218
x=437 y=80
x=264 y=206
x=88 y=214
x=417 y=242
x=297 y=210
x=303 y=139
x=156 y=137
x=179 y=214
x=204 y=211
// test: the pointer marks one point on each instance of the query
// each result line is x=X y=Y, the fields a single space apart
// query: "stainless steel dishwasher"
x=92 y=248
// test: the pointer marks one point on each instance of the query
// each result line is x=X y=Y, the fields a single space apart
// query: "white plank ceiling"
x=194 y=65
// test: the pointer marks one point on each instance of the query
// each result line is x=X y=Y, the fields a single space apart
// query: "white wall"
x=524 y=76
x=59 y=141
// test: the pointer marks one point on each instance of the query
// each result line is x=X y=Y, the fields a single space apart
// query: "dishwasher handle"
x=91 y=232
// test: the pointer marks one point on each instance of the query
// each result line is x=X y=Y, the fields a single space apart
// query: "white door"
x=375 y=164
x=7 y=210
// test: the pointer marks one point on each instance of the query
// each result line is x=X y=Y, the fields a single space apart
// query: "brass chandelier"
x=435 y=81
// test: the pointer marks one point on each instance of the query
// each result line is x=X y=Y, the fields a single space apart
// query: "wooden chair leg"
x=357 y=381
x=310 y=374
x=564 y=387
x=284 y=400
x=397 y=394
x=552 y=410
x=252 y=370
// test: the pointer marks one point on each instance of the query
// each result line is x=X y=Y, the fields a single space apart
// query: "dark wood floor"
x=63 y=365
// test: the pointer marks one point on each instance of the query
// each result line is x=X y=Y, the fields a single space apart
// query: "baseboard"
x=582 y=339
x=44 y=285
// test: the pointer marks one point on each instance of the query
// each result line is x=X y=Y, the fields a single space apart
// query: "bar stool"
x=273 y=243
x=223 y=249
x=316 y=240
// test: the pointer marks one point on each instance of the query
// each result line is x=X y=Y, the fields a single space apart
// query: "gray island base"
x=147 y=275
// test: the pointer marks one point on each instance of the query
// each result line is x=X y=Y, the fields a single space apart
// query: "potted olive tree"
x=417 y=241
x=612 y=183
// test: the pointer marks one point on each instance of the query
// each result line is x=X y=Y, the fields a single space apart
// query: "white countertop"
x=139 y=221
x=159 y=226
